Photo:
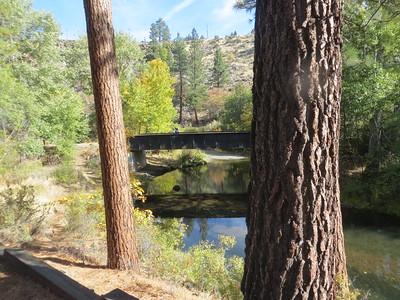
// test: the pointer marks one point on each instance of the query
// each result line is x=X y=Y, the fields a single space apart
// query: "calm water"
x=372 y=247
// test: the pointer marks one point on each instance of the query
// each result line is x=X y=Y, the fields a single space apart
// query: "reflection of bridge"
x=186 y=140
x=196 y=205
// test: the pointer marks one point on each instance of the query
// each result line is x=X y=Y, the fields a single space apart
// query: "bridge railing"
x=190 y=140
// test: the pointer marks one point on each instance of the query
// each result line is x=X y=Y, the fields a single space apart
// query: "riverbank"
x=67 y=231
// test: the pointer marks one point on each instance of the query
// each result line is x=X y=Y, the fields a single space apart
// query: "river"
x=372 y=241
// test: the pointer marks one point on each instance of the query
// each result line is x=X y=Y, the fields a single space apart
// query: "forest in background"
x=46 y=100
x=48 y=133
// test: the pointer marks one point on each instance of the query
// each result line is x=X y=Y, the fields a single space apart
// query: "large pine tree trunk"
x=295 y=246
x=121 y=246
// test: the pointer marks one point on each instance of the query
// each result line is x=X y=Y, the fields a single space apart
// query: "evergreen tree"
x=295 y=244
x=121 y=244
x=160 y=42
x=159 y=32
x=197 y=90
x=180 y=67
x=220 y=69
x=248 y=5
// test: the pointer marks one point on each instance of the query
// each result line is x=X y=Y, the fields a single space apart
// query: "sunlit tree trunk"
x=295 y=246
x=121 y=246
x=180 y=95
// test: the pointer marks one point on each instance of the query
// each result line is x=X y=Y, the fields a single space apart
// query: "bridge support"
x=138 y=159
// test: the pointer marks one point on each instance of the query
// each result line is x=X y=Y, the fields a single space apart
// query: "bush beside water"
x=190 y=159
x=379 y=191
x=204 y=267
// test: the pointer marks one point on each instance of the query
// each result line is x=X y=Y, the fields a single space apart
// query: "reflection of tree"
x=189 y=222
x=217 y=174
x=203 y=225
x=193 y=179
x=238 y=177
x=216 y=177
x=185 y=177
x=165 y=183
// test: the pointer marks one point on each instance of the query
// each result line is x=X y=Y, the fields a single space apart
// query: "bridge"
x=186 y=140
x=190 y=140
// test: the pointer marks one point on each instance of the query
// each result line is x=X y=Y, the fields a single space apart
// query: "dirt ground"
x=17 y=287
x=103 y=280
x=51 y=248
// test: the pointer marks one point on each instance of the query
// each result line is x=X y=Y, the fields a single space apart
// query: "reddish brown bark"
x=294 y=246
x=121 y=246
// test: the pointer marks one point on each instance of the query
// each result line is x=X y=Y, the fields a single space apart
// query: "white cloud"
x=178 y=8
x=226 y=10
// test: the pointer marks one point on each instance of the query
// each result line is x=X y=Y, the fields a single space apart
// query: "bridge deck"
x=190 y=140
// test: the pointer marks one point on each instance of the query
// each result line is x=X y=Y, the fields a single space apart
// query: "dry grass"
x=103 y=280
x=57 y=248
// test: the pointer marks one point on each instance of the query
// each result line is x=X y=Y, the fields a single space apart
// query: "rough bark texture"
x=295 y=246
x=121 y=246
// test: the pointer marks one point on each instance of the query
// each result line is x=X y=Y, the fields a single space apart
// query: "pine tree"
x=248 y=5
x=121 y=244
x=197 y=90
x=180 y=67
x=220 y=69
x=295 y=244
x=160 y=42
x=159 y=32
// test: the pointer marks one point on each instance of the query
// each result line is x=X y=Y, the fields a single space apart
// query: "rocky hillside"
x=238 y=52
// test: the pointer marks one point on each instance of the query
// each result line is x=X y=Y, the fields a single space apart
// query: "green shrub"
x=238 y=110
x=205 y=266
x=160 y=243
x=85 y=226
x=66 y=174
x=213 y=126
x=92 y=162
x=84 y=213
x=20 y=216
x=13 y=167
x=345 y=291
x=379 y=191
x=190 y=158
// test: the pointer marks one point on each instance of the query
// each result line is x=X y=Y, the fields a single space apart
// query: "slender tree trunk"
x=375 y=143
x=121 y=245
x=195 y=116
x=180 y=95
x=295 y=246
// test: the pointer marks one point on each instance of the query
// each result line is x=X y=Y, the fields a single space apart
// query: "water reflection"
x=210 y=229
x=373 y=255
x=218 y=177
x=372 y=249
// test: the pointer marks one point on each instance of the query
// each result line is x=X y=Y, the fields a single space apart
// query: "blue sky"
x=135 y=16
